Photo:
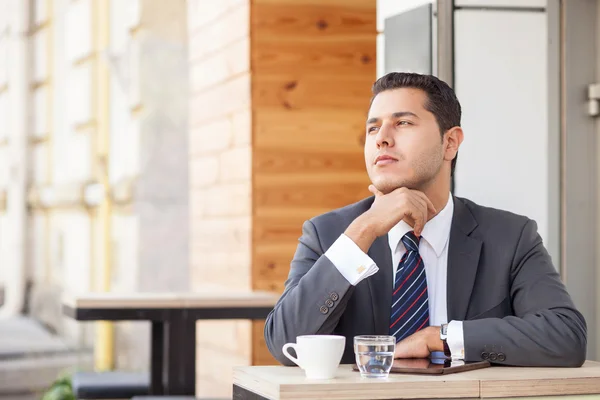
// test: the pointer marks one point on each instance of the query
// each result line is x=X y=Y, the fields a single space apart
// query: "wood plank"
x=315 y=54
x=541 y=387
x=318 y=130
x=283 y=212
x=272 y=181
x=297 y=90
x=361 y=4
x=270 y=285
x=277 y=229
x=270 y=270
x=267 y=248
x=497 y=382
x=291 y=383
x=512 y=382
x=260 y=353
x=286 y=161
x=311 y=19
x=311 y=196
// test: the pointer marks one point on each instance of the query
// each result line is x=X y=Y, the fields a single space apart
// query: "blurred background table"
x=173 y=317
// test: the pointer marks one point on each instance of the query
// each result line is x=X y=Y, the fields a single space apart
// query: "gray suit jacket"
x=501 y=283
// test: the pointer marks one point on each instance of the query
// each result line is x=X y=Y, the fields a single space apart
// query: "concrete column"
x=149 y=72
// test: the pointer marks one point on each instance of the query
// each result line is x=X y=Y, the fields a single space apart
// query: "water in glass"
x=374 y=355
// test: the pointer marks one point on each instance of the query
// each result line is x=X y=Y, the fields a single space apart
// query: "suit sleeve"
x=315 y=296
x=354 y=265
x=546 y=329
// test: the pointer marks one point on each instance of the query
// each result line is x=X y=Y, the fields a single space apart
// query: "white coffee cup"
x=318 y=355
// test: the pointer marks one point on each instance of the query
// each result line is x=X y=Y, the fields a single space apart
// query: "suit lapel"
x=463 y=259
x=380 y=284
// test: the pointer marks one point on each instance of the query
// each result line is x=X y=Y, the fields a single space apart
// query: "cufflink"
x=361 y=269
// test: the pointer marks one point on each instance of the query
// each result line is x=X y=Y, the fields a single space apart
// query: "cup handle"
x=288 y=355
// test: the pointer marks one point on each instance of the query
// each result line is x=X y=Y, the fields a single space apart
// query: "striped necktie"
x=410 y=305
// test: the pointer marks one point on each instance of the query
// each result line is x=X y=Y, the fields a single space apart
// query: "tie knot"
x=410 y=241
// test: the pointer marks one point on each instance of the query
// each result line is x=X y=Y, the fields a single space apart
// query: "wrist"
x=434 y=342
x=361 y=232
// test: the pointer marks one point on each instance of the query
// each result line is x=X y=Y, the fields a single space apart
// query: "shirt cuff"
x=456 y=340
x=350 y=260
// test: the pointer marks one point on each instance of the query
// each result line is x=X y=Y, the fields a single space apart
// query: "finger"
x=411 y=215
x=419 y=213
x=421 y=216
x=423 y=196
x=421 y=203
x=374 y=190
x=418 y=224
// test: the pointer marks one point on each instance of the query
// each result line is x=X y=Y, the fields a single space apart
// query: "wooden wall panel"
x=313 y=64
x=273 y=129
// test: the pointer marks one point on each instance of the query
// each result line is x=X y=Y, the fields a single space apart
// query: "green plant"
x=61 y=389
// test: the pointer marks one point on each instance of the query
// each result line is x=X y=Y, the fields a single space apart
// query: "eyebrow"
x=395 y=115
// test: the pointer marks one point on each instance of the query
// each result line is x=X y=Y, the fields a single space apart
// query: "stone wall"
x=220 y=178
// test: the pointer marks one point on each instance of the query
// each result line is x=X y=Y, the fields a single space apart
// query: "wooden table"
x=495 y=382
x=173 y=317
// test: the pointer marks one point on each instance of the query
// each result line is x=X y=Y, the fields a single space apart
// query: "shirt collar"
x=436 y=231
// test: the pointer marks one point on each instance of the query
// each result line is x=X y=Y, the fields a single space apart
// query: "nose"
x=384 y=136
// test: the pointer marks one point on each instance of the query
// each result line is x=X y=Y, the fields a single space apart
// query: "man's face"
x=403 y=146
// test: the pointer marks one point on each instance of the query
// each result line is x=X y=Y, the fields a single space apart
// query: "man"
x=438 y=272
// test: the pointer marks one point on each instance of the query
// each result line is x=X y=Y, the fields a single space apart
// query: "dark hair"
x=441 y=99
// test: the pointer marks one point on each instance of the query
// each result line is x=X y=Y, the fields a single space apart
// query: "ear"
x=453 y=139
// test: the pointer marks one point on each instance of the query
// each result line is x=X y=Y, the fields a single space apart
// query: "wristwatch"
x=443 y=337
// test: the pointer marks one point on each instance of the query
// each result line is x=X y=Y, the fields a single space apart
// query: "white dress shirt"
x=355 y=266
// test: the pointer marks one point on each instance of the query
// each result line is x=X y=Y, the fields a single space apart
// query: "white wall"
x=502 y=82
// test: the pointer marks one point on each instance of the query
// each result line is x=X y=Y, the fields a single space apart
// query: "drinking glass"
x=374 y=355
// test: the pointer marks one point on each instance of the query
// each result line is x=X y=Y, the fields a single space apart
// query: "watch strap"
x=446 y=348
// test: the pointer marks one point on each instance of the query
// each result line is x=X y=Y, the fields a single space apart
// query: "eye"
x=372 y=129
x=404 y=123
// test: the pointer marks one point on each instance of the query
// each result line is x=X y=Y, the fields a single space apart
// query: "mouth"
x=385 y=160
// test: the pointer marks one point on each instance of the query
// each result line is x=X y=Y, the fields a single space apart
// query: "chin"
x=389 y=185
x=386 y=187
